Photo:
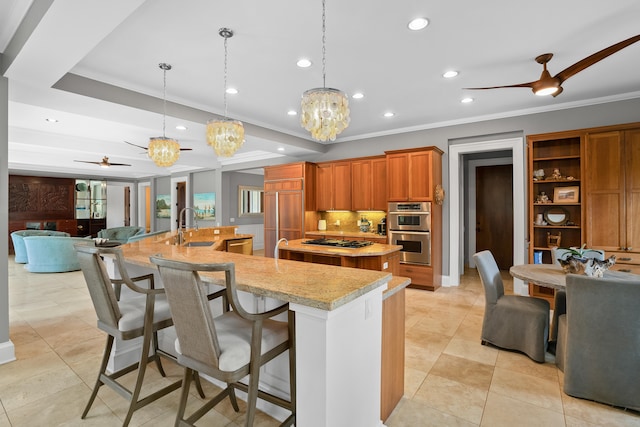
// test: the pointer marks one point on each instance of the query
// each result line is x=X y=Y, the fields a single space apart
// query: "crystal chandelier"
x=162 y=150
x=225 y=135
x=325 y=111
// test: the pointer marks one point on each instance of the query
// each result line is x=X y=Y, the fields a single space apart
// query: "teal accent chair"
x=18 y=241
x=120 y=234
x=53 y=254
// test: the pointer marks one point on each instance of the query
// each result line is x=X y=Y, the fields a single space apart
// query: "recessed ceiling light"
x=232 y=91
x=52 y=120
x=280 y=148
x=389 y=114
x=292 y=112
x=450 y=74
x=418 y=24
x=303 y=63
x=466 y=100
x=181 y=127
x=358 y=95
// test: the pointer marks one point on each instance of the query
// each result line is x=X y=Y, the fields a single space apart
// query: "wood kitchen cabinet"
x=612 y=160
x=369 y=184
x=289 y=202
x=413 y=174
x=242 y=245
x=333 y=186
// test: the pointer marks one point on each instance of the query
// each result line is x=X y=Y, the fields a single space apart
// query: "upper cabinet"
x=413 y=174
x=369 y=184
x=333 y=186
x=613 y=195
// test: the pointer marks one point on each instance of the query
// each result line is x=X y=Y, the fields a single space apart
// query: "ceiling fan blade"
x=186 y=149
x=84 y=161
x=596 y=57
x=529 y=85
x=118 y=164
x=136 y=145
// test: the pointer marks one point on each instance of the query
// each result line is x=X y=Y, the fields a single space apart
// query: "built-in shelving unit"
x=558 y=220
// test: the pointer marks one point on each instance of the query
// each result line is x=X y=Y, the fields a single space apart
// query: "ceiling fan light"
x=544 y=91
x=163 y=151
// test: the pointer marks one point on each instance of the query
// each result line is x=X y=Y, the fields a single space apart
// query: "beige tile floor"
x=451 y=380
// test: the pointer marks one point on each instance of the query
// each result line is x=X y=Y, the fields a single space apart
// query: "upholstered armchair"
x=120 y=234
x=599 y=341
x=53 y=254
x=17 y=237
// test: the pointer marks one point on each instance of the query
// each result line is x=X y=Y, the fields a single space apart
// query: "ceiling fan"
x=147 y=148
x=548 y=85
x=105 y=163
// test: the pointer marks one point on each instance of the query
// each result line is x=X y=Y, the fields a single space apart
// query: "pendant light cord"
x=165 y=68
x=225 y=74
x=324 y=49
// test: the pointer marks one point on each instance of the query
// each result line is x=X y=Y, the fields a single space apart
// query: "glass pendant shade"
x=226 y=136
x=325 y=113
x=163 y=151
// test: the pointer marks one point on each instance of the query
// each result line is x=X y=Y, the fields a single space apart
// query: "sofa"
x=18 y=241
x=53 y=254
x=120 y=234
x=598 y=340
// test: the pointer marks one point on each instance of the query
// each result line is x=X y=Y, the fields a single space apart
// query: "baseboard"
x=7 y=352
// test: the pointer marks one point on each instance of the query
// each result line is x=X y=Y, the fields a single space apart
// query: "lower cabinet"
x=240 y=246
x=422 y=276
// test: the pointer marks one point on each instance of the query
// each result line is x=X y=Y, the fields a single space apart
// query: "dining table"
x=553 y=276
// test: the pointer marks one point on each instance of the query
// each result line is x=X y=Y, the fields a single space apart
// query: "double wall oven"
x=409 y=225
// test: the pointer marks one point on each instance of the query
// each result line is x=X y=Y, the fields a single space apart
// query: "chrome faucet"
x=180 y=224
x=275 y=250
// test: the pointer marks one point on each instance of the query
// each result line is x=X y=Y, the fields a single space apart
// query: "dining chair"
x=140 y=313
x=560 y=297
x=598 y=340
x=512 y=322
x=228 y=347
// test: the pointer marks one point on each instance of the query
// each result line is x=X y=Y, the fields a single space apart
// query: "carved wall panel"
x=32 y=197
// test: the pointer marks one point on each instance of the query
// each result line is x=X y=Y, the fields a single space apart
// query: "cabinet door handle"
x=624 y=259
x=626 y=270
x=238 y=244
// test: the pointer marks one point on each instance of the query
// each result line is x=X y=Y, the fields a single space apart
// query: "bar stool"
x=227 y=347
x=141 y=315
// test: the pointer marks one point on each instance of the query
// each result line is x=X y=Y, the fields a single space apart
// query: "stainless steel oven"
x=416 y=246
x=409 y=216
x=409 y=225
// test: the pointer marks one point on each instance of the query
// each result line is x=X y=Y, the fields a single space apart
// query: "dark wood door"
x=181 y=202
x=494 y=212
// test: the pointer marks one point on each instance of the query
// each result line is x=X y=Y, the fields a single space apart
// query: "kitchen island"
x=369 y=256
x=338 y=315
x=375 y=256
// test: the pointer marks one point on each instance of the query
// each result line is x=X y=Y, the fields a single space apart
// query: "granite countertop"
x=319 y=286
x=375 y=249
x=346 y=234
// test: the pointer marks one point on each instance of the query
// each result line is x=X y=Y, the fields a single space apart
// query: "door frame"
x=174 y=198
x=456 y=204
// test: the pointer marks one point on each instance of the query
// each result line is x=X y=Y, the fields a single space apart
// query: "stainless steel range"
x=409 y=225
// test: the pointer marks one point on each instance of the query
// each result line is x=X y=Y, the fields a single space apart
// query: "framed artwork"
x=205 y=206
x=163 y=206
x=566 y=194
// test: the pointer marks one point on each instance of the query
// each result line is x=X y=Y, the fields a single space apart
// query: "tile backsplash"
x=349 y=220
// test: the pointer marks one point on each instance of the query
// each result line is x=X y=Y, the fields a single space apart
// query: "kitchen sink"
x=191 y=244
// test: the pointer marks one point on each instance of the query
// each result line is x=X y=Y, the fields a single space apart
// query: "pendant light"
x=225 y=135
x=325 y=111
x=162 y=150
